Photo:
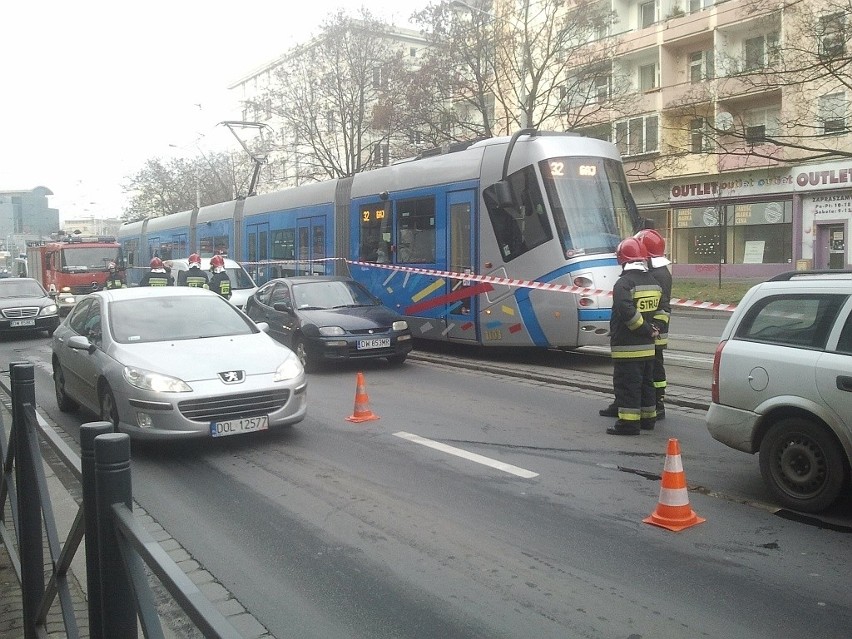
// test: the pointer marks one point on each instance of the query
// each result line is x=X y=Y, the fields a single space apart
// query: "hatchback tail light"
x=717 y=361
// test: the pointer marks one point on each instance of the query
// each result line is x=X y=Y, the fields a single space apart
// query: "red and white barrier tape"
x=501 y=281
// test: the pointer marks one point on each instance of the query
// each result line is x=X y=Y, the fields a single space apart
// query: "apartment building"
x=741 y=154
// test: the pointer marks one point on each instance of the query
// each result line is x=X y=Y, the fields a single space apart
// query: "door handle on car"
x=844 y=383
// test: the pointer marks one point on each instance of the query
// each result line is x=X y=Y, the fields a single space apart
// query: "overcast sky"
x=90 y=89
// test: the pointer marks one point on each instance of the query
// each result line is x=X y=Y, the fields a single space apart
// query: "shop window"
x=747 y=233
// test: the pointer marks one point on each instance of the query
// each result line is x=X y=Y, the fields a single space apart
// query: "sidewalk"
x=65 y=506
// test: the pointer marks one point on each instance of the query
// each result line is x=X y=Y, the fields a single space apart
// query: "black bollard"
x=88 y=432
x=113 y=486
x=30 y=537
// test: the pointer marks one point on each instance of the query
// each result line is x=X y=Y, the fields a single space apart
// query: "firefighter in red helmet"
x=114 y=277
x=220 y=282
x=157 y=276
x=194 y=276
x=658 y=266
x=635 y=299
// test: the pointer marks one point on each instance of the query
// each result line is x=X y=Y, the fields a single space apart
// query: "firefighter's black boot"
x=609 y=411
x=623 y=427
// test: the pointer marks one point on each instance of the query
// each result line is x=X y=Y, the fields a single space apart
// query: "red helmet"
x=195 y=258
x=217 y=261
x=652 y=242
x=156 y=263
x=630 y=250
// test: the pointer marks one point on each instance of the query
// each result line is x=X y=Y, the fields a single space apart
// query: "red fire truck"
x=73 y=266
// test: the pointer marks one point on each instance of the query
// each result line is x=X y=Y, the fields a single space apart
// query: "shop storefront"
x=758 y=224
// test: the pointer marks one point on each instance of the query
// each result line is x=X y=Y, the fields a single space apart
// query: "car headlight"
x=148 y=380
x=50 y=309
x=331 y=331
x=66 y=299
x=291 y=367
x=400 y=325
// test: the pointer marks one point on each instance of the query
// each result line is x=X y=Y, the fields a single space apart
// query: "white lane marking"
x=458 y=452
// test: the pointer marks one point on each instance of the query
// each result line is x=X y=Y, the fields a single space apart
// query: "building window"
x=647 y=14
x=832 y=113
x=603 y=85
x=701 y=66
x=637 y=135
x=648 y=77
x=699 y=138
x=761 y=51
x=329 y=121
x=379 y=79
x=598 y=132
x=381 y=154
x=760 y=124
x=832 y=35
x=699 y=5
x=412 y=52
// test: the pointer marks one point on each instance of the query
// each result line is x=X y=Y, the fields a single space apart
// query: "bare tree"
x=335 y=98
x=163 y=188
x=537 y=63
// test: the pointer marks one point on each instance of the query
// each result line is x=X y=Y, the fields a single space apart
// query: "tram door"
x=257 y=253
x=461 y=311
x=310 y=246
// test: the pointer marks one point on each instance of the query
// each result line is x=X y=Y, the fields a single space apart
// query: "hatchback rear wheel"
x=802 y=465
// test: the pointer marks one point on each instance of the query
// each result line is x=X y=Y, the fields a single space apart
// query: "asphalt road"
x=334 y=529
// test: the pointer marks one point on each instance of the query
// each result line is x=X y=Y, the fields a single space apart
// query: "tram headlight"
x=583 y=282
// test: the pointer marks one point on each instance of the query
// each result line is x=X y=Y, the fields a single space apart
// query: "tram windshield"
x=591 y=203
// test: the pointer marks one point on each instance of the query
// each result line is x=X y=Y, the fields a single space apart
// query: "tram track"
x=588 y=368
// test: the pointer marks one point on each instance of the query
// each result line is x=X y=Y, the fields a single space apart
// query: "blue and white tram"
x=543 y=207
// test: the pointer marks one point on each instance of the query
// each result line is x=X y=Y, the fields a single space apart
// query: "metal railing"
x=118 y=547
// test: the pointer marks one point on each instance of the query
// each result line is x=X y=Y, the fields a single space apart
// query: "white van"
x=242 y=285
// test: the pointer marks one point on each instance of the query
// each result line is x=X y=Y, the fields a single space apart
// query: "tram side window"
x=213 y=245
x=415 y=240
x=522 y=225
x=375 y=233
x=284 y=249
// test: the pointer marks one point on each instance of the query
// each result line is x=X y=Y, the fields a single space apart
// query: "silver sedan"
x=174 y=363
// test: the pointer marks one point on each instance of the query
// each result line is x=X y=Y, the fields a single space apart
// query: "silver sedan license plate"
x=239 y=426
x=381 y=342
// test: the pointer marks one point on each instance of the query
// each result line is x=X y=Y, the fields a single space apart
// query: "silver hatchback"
x=782 y=385
x=174 y=363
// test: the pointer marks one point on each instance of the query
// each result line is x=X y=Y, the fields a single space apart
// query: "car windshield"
x=20 y=288
x=334 y=294
x=89 y=258
x=162 y=319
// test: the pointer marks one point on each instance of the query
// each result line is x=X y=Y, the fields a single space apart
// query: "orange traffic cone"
x=362 y=411
x=673 y=511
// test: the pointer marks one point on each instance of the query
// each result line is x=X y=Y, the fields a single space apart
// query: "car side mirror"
x=283 y=307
